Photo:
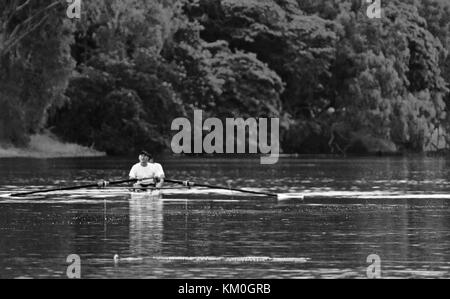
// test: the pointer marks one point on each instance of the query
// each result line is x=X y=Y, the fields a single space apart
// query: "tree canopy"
x=339 y=81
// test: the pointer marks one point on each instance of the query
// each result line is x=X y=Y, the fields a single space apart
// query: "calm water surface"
x=397 y=208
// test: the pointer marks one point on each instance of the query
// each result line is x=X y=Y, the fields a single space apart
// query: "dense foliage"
x=340 y=81
x=35 y=65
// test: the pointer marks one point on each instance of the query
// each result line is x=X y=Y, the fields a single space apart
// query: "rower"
x=147 y=172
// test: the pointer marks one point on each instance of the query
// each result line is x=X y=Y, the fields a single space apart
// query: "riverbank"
x=47 y=146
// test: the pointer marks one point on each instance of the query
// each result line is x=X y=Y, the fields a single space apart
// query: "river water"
x=396 y=208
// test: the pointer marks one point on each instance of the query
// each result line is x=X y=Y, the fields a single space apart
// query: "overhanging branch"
x=25 y=28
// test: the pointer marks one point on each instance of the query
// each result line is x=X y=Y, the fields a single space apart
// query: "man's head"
x=145 y=157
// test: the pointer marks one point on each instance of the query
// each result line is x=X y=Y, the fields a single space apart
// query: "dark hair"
x=146 y=154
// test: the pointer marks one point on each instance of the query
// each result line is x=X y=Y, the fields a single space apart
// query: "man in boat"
x=147 y=172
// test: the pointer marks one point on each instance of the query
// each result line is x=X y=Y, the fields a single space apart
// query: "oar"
x=105 y=183
x=193 y=184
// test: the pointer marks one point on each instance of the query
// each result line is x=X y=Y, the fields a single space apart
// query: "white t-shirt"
x=150 y=171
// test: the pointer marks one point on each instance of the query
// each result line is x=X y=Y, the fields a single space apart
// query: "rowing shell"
x=144 y=193
x=168 y=192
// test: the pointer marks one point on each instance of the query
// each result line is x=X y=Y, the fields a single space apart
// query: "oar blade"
x=287 y=196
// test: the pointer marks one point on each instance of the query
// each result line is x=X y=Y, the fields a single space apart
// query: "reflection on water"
x=397 y=208
x=146 y=225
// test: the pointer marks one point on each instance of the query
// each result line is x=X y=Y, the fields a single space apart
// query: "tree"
x=103 y=115
x=119 y=28
x=395 y=90
x=120 y=43
x=437 y=15
x=20 y=18
x=222 y=81
x=35 y=63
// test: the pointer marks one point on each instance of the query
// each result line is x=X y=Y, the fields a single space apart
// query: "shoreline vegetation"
x=47 y=146
x=339 y=82
x=14 y=153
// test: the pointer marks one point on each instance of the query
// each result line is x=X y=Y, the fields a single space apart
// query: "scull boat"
x=178 y=187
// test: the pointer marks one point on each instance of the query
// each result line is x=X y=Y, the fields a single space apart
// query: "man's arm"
x=160 y=177
x=160 y=183
x=132 y=174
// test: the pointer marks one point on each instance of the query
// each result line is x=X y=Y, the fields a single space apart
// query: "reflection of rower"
x=146 y=226
x=147 y=172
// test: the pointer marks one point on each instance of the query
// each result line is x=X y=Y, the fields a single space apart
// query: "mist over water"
x=397 y=208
